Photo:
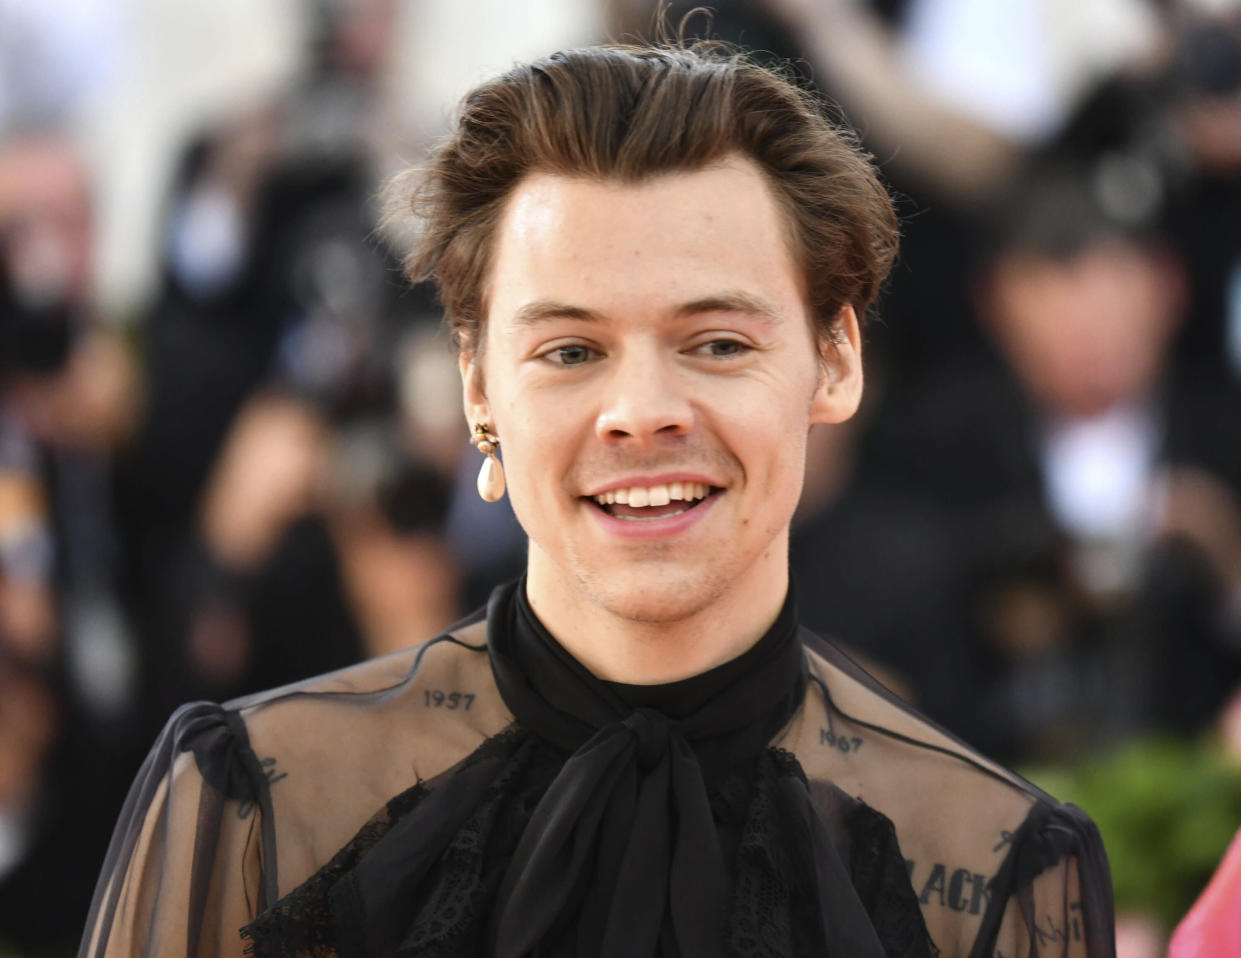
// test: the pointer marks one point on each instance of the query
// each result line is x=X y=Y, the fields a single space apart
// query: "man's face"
x=650 y=344
x=45 y=220
x=1089 y=333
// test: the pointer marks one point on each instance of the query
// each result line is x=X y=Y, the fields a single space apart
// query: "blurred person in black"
x=271 y=367
x=68 y=662
x=31 y=704
x=1095 y=481
x=319 y=542
x=270 y=269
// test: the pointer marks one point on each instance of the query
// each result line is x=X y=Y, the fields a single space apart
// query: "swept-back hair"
x=627 y=113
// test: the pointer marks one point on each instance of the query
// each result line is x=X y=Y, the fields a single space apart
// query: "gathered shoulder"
x=420 y=708
x=334 y=749
x=856 y=713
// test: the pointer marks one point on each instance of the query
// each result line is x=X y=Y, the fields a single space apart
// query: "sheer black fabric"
x=485 y=794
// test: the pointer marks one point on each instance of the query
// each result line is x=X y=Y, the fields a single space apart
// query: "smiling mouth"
x=647 y=503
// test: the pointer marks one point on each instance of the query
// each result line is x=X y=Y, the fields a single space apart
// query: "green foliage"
x=1166 y=810
x=10 y=950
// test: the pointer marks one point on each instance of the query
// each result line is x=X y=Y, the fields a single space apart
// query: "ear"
x=840 y=384
x=473 y=393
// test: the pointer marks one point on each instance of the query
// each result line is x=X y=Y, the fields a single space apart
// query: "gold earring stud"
x=491 y=476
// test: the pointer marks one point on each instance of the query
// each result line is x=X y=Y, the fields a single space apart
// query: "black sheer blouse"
x=485 y=794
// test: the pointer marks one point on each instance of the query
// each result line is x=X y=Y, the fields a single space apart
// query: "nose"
x=646 y=400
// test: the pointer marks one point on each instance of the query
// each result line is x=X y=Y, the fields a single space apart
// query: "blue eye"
x=724 y=348
x=570 y=355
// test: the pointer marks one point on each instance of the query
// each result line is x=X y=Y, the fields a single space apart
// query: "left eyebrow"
x=731 y=302
x=541 y=311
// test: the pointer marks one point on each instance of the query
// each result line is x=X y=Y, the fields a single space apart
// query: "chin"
x=660 y=597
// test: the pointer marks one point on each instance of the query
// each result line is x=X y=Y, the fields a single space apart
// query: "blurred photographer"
x=68 y=665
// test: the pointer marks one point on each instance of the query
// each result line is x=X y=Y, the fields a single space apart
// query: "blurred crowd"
x=1033 y=530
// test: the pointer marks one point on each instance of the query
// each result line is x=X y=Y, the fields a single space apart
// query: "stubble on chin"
x=652 y=596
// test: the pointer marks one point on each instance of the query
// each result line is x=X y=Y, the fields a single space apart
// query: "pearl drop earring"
x=491 y=476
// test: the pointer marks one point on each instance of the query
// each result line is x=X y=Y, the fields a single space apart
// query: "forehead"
x=641 y=249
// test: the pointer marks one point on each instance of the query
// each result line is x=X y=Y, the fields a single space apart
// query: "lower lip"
x=654 y=528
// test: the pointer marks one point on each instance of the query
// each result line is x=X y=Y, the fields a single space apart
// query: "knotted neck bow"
x=622 y=857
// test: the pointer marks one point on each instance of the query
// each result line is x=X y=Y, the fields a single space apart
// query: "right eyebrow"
x=543 y=310
x=732 y=302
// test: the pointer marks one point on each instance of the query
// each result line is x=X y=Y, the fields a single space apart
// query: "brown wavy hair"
x=625 y=113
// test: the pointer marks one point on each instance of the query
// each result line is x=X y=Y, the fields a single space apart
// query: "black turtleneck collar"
x=685 y=696
x=738 y=706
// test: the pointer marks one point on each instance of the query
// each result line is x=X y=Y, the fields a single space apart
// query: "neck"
x=617 y=647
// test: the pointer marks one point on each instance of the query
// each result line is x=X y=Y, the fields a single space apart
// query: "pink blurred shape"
x=1212 y=929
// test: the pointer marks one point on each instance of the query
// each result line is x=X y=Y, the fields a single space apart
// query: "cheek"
x=772 y=437
x=526 y=491
x=789 y=474
x=535 y=450
x=519 y=453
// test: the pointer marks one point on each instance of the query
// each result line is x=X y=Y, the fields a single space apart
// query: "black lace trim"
x=452 y=922
x=771 y=913
x=761 y=925
x=300 y=924
x=881 y=880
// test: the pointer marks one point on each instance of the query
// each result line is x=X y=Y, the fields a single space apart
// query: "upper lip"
x=659 y=479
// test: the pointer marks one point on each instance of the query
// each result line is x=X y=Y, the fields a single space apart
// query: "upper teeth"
x=638 y=496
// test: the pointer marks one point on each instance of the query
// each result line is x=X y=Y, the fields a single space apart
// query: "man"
x=1089 y=478
x=67 y=648
x=654 y=261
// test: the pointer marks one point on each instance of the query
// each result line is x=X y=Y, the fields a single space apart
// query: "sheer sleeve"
x=1000 y=868
x=237 y=805
x=185 y=869
x=1053 y=894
